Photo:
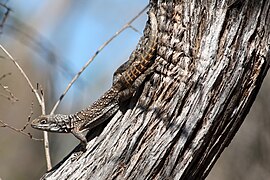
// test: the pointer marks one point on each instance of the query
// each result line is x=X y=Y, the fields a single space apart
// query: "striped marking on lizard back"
x=139 y=66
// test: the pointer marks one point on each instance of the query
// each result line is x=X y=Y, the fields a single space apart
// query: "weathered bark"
x=211 y=61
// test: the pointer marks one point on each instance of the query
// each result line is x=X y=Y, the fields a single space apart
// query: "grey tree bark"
x=212 y=57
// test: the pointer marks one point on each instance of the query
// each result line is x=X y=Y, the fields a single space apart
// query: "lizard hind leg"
x=128 y=92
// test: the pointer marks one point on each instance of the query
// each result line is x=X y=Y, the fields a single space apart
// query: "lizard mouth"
x=39 y=124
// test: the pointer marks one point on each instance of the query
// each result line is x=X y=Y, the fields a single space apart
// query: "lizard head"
x=52 y=123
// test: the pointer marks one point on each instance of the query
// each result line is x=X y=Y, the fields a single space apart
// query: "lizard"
x=102 y=109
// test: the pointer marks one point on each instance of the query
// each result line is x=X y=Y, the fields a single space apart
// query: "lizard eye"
x=43 y=121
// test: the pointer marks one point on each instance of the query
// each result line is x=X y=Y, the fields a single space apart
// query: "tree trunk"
x=211 y=59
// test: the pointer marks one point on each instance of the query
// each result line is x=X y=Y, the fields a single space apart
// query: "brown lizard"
x=102 y=109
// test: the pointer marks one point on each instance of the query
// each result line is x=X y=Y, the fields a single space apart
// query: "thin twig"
x=5 y=16
x=5 y=75
x=29 y=117
x=134 y=29
x=23 y=73
x=18 y=130
x=11 y=96
x=8 y=97
x=127 y=25
x=5 y=6
x=46 y=135
x=40 y=101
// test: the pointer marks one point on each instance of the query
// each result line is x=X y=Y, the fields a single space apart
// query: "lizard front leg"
x=79 y=135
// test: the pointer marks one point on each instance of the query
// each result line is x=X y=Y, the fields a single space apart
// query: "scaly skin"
x=108 y=104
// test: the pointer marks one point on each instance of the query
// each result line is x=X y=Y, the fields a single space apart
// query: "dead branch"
x=40 y=100
x=21 y=131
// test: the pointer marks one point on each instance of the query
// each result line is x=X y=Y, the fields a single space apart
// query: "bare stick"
x=46 y=135
x=23 y=73
x=128 y=25
x=11 y=96
x=19 y=131
x=5 y=16
x=5 y=6
x=8 y=98
x=29 y=117
x=5 y=75
x=40 y=101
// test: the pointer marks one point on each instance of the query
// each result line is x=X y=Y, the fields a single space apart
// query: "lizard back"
x=142 y=62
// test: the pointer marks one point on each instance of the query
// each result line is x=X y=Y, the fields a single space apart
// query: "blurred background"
x=52 y=40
